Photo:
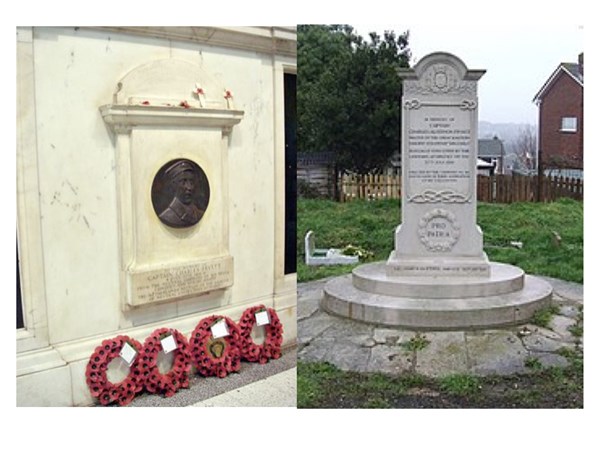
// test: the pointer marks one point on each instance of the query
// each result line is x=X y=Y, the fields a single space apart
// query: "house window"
x=569 y=124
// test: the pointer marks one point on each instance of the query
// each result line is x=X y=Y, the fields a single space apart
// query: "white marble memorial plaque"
x=156 y=285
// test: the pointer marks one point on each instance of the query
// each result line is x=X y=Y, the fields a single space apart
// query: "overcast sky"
x=518 y=59
x=518 y=42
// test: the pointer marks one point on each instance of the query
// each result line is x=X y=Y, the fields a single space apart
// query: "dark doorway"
x=290 y=207
x=20 y=323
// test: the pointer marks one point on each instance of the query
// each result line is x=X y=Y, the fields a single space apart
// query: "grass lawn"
x=552 y=237
x=371 y=226
x=321 y=385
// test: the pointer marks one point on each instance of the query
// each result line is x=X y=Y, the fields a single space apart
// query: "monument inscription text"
x=176 y=282
x=438 y=156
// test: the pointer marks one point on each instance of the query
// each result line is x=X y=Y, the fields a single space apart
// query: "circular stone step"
x=372 y=278
x=342 y=298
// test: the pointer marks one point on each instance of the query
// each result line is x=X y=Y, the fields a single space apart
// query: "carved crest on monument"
x=439 y=230
x=440 y=79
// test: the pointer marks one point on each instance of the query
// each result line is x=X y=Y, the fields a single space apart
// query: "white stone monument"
x=439 y=235
x=437 y=276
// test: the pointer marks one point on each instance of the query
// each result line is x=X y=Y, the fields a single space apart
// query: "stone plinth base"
x=428 y=267
x=506 y=297
x=375 y=278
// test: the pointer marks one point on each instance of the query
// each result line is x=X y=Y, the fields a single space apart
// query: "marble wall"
x=74 y=231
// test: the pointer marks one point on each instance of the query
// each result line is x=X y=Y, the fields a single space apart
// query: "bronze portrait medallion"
x=180 y=193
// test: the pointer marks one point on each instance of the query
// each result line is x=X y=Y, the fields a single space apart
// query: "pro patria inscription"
x=439 y=230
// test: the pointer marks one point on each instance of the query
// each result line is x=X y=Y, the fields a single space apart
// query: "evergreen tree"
x=349 y=94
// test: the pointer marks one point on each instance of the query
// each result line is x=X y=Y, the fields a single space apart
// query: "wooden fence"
x=521 y=188
x=369 y=186
x=496 y=188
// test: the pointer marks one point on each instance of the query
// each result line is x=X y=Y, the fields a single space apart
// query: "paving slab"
x=495 y=352
x=548 y=359
x=348 y=356
x=570 y=311
x=307 y=308
x=349 y=330
x=561 y=325
x=391 y=336
x=446 y=353
x=538 y=342
x=393 y=360
x=308 y=295
x=312 y=327
x=316 y=350
x=566 y=291
x=275 y=391
x=358 y=346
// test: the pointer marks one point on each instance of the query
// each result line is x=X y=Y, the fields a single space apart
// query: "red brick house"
x=560 y=104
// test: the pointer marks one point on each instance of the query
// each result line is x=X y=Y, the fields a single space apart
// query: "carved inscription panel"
x=438 y=162
x=181 y=281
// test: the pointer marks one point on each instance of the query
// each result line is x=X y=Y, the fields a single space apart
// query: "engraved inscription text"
x=186 y=280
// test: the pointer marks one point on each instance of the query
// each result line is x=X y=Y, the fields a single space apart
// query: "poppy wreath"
x=271 y=347
x=215 y=356
x=100 y=387
x=177 y=377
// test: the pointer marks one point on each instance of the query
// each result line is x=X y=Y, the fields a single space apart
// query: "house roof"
x=483 y=164
x=572 y=69
x=490 y=148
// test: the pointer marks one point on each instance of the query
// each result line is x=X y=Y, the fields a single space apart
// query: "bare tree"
x=526 y=148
